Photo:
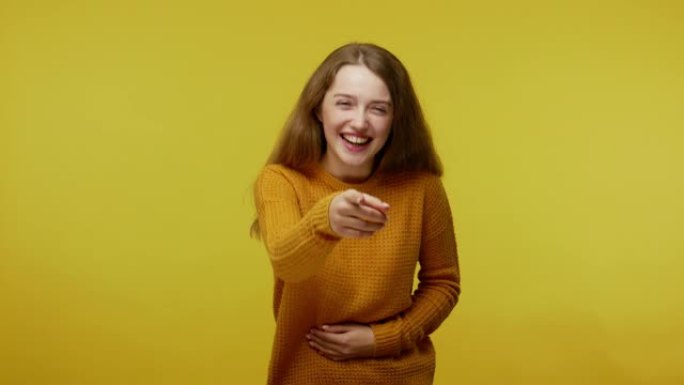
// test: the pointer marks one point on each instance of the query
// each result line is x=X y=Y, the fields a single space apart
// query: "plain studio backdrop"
x=131 y=132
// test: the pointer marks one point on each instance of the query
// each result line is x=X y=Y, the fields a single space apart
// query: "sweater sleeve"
x=297 y=244
x=439 y=279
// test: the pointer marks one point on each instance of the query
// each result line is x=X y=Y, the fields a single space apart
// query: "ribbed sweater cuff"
x=387 y=339
x=320 y=218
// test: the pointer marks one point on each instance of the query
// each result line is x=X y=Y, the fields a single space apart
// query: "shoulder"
x=277 y=180
x=280 y=172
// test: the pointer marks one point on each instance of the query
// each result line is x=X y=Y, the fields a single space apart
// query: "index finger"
x=327 y=337
x=373 y=202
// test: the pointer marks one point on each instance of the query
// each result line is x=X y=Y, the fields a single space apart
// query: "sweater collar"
x=330 y=180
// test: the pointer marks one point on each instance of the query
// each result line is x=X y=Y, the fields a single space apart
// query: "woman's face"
x=356 y=113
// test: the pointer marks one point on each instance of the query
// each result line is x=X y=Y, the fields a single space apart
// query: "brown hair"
x=409 y=146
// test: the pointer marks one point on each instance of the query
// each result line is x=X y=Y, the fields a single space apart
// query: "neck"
x=347 y=174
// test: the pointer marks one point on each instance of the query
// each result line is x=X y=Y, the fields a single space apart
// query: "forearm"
x=436 y=296
x=297 y=247
x=432 y=303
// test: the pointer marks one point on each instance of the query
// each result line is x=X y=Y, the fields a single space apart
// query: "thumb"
x=335 y=328
x=352 y=196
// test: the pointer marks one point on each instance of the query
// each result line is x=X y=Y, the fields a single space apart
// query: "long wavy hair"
x=409 y=146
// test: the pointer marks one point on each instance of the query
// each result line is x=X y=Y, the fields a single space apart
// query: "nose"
x=359 y=121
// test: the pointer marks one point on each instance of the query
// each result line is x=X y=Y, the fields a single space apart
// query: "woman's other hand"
x=343 y=341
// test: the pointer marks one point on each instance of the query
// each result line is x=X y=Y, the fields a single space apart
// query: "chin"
x=356 y=162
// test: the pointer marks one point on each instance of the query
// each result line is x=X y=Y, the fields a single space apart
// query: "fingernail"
x=325 y=327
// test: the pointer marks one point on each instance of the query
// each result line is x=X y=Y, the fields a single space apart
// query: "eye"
x=343 y=103
x=380 y=110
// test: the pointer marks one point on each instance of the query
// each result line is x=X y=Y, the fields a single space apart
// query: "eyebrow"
x=389 y=103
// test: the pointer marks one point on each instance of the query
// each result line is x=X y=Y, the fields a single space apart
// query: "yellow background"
x=130 y=134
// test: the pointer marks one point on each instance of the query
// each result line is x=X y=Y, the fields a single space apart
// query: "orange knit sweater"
x=321 y=278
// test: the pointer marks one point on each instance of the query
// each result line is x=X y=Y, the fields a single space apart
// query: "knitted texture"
x=323 y=279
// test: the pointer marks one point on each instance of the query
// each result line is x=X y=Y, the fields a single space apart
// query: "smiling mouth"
x=355 y=140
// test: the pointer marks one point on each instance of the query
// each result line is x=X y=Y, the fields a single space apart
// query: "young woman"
x=349 y=203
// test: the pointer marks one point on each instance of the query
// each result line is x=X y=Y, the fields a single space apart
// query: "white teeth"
x=355 y=139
